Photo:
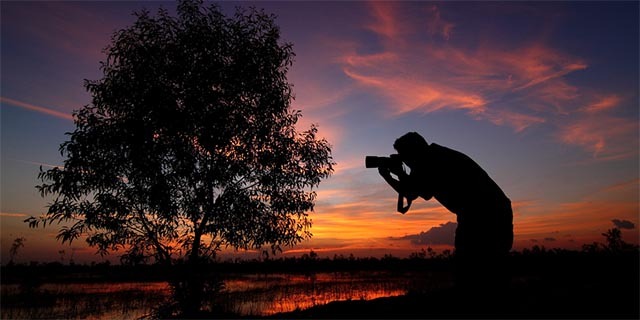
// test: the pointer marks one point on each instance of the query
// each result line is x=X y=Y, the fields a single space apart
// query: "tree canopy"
x=189 y=143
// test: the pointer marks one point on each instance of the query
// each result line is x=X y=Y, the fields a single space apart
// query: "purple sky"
x=544 y=96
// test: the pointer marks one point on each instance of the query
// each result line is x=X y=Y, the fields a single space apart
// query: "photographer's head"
x=410 y=146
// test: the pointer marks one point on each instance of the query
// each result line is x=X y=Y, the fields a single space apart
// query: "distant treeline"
x=538 y=259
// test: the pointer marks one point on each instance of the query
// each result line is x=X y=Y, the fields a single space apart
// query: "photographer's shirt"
x=460 y=185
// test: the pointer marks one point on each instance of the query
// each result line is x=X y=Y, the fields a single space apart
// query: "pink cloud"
x=541 y=64
x=603 y=104
x=492 y=69
x=32 y=107
x=385 y=22
x=436 y=25
x=13 y=215
x=415 y=95
x=430 y=77
x=518 y=121
x=601 y=135
x=40 y=164
x=596 y=129
x=519 y=87
x=557 y=97
x=370 y=60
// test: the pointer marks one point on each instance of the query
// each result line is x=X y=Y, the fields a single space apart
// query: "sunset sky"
x=544 y=96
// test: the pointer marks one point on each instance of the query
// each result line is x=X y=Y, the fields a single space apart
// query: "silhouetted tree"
x=614 y=239
x=189 y=144
x=422 y=254
x=592 y=248
x=15 y=246
x=62 y=254
x=615 y=242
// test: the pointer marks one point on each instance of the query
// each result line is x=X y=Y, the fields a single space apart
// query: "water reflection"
x=275 y=293
x=124 y=300
x=254 y=294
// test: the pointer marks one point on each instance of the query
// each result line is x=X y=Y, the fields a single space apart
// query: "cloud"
x=551 y=71
x=385 y=23
x=436 y=25
x=519 y=121
x=595 y=128
x=443 y=234
x=550 y=239
x=623 y=224
x=631 y=186
x=428 y=77
x=32 y=107
x=409 y=94
x=519 y=85
x=603 y=104
x=39 y=163
x=348 y=207
x=13 y=215
x=602 y=135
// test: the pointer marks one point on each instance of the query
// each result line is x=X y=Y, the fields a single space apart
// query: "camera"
x=395 y=165
x=391 y=162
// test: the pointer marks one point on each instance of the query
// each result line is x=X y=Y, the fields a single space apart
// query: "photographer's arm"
x=404 y=186
x=409 y=186
x=386 y=174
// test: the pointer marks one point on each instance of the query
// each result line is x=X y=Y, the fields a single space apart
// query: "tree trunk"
x=194 y=282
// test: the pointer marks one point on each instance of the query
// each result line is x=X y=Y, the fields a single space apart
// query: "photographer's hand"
x=395 y=184
x=386 y=174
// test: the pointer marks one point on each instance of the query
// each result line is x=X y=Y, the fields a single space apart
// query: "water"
x=250 y=294
x=269 y=294
x=126 y=300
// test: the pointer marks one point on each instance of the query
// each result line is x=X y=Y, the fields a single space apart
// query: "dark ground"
x=543 y=285
x=553 y=287
x=522 y=303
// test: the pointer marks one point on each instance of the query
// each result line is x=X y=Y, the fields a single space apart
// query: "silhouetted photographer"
x=484 y=235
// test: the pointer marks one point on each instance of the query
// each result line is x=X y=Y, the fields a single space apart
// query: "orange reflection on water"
x=301 y=301
x=243 y=294
x=263 y=295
